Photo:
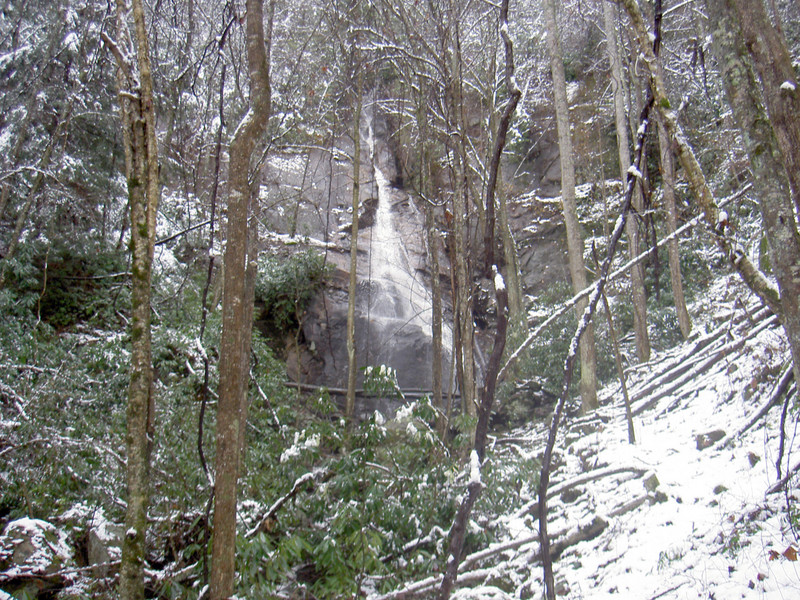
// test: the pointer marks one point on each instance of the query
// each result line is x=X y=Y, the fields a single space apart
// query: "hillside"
x=693 y=509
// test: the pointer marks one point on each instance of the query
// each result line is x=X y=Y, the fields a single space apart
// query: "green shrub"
x=284 y=287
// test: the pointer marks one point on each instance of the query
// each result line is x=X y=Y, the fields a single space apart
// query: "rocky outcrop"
x=317 y=205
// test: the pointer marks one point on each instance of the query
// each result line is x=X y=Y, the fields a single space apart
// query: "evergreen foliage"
x=285 y=286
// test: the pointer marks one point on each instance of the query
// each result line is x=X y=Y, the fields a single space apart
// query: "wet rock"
x=528 y=402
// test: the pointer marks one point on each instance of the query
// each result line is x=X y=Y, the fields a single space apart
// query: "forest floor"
x=691 y=510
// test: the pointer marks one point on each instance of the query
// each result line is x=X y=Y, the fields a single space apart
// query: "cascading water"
x=395 y=303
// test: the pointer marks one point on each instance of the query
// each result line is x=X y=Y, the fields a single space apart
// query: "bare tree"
x=350 y=405
x=577 y=268
x=673 y=250
x=238 y=300
x=768 y=168
x=773 y=63
x=458 y=530
x=141 y=169
x=623 y=148
x=692 y=170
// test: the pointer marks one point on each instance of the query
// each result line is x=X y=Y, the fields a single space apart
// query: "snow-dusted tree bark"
x=768 y=168
x=141 y=169
x=623 y=149
x=234 y=364
x=673 y=250
x=350 y=403
x=780 y=87
x=577 y=268
x=692 y=170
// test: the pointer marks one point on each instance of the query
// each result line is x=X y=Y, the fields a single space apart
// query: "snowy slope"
x=708 y=530
x=667 y=517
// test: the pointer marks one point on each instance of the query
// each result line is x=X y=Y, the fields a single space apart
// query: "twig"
x=184 y=232
x=782 y=444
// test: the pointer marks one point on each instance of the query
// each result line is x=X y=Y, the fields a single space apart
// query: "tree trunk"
x=463 y=271
x=516 y=309
x=588 y=384
x=141 y=166
x=623 y=148
x=237 y=296
x=352 y=367
x=673 y=250
x=458 y=530
x=432 y=238
x=754 y=279
x=779 y=83
x=769 y=172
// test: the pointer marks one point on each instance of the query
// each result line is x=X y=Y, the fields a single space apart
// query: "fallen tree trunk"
x=532 y=506
x=702 y=366
x=777 y=392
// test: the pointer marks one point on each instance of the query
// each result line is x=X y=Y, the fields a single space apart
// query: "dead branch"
x=299 y=484
x=554 y=491
x=778 y=485
x=183 y=232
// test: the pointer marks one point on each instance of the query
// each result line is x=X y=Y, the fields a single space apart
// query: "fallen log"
x=777 y=392
x=533 y=505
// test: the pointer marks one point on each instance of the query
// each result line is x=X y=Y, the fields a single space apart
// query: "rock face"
x=32 y=554
x=393 y=306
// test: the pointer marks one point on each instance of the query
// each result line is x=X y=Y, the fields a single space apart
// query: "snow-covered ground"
x=680 y=514
x=709 y=529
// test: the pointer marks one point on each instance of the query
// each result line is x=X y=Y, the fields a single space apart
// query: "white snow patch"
x=788 y=86
x=572 y=91
x=71 y=42
x=474 y=468
x=302 y=443
x=499 y=282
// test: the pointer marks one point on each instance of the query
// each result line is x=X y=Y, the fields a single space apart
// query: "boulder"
x=708 y=439
x=104 y=545
x=33 y=554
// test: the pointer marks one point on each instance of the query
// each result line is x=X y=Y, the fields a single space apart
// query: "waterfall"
x=396 y=303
